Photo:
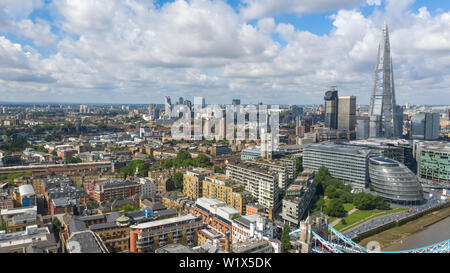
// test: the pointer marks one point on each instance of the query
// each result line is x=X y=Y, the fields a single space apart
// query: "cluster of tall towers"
x=385 y=117
x=340 y=111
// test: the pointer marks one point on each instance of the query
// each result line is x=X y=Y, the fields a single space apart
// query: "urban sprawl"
x=113 y=178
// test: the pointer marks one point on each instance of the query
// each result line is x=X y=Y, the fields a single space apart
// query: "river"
x=435 y=233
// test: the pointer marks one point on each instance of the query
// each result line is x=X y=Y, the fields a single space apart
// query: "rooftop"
x=339 y=149
x=173 y=220
x=86 y=242
x=26 y=190
x=441 y=146
x=175 y=248
x=220 y=179
x=200 y=171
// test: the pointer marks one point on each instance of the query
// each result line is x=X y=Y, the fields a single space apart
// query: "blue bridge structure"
x=339 y=243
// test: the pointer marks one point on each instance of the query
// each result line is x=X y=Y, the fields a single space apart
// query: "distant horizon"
x=162 y=104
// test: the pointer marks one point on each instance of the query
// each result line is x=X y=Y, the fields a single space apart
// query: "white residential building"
x=148 y=187
x=254 y=226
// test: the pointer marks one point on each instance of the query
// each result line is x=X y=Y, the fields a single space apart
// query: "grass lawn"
x=348 y=207
x=363 y=214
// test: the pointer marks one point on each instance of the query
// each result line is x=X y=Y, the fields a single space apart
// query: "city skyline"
x=53 y=51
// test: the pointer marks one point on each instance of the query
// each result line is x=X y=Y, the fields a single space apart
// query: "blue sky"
x=140 y=51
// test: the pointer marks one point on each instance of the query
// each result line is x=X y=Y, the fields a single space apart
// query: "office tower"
x=362 y=128
x=331 y=108
x=345 y=162
x=188 y=104
x=168 y=107
x=347 y=113
x=84 y=109
x=181 y=101
x=236 y=102
x=384 y=114
x=425 y=126
x=203 y=102
x=432 y=161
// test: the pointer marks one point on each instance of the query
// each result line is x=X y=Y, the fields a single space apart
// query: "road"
x=392 y=217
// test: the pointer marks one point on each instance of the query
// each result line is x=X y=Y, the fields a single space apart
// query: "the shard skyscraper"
x=386 y=117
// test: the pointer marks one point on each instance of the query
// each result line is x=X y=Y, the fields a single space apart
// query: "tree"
x=56 y=224
x=217 y=169
x=330 y=191
x=50 y=137
x=130 y=168
x=127 y=208
x=285 y=239
x=335 y=208
x=320 y=204
x=298 y=165
x=365 y=201
x=92 y=204
x=167 y=164
x=381 y=203
x=346 y=197
x=41 y=149
x=202 y=161
x=178 y=180
x=72 y=159
x=322 y=174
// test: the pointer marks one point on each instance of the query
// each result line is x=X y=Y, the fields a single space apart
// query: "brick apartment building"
x=115 y=188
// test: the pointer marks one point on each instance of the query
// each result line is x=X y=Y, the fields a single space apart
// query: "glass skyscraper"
x=385 y=116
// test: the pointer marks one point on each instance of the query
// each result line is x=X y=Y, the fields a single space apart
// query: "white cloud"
x=135 y=52
x=259 y=8
x=374 y=2
x=39 y=32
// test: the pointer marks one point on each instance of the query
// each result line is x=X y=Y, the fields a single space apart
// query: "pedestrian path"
x=335 y=222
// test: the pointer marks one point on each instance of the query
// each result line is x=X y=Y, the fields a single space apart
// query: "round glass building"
x=394 y=181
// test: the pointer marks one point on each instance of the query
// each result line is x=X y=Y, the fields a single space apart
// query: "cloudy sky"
x=279 y=52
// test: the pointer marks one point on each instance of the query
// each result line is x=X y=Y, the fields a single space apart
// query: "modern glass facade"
x=331 y=109
x=425 y=126
x=394 y=181
x=347 y=113
x=344 y=162
x=433 y=161
x=385 y=116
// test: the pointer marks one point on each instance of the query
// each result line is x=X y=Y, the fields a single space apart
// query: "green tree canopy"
x=217 y=169
x=285 y=239
x=72 y=159
x=178 y=180
x=335 y=208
